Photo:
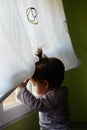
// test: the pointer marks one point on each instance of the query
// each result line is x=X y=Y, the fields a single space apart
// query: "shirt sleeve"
x=33 y=103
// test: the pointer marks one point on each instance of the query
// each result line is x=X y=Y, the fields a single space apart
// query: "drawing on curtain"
x=32 y=17
x=26 y=25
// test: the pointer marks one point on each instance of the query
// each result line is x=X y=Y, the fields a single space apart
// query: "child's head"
x=49 y=70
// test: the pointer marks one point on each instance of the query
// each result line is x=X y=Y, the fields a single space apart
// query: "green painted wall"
x=76 y=79
x=28 y=123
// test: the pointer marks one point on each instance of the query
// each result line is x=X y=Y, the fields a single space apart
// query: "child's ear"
x=46 y=84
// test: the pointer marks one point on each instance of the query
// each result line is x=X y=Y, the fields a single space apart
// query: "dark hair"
x=49 y=69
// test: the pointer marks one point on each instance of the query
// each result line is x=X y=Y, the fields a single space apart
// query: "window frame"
x=12 y=113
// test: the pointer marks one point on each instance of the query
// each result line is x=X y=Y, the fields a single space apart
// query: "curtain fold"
x=16 y=59
x=26 y=25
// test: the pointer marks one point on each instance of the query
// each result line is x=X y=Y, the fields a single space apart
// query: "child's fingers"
x=26 y=81
x=23 y=84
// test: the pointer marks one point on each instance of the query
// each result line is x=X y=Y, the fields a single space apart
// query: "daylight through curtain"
x=26 y=25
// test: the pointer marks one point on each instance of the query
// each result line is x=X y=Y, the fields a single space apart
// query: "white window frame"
x=12 y=113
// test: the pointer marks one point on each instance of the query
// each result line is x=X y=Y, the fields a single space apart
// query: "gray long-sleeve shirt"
x=53 y=107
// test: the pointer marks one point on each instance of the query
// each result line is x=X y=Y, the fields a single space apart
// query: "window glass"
x=12 y=98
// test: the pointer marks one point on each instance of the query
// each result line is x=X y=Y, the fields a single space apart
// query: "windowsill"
x=12 y=114
x=12 y=106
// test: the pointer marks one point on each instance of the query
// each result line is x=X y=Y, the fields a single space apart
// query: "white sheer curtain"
x=26 y=25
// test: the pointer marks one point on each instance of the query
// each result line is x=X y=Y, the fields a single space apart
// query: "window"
x=12 y=109
x=11 y=99
x=17 y=38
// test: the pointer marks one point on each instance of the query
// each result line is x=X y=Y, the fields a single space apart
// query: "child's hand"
x=23 y=84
